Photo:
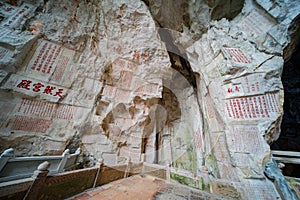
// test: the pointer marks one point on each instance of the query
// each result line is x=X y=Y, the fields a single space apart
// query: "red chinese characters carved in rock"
x=261 y=106
x=25 y=9
x=248 y=85
x=30 y=124
x=41 y=88
x=25 y=84
x=234 y=89
x=37 y=87
x=256 y=23
x=237 y=55
x=49 y=89
x=3 y=52
x=46 y=57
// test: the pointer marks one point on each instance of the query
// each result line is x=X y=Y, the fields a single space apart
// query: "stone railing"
x=43 y=185
x=286 y=156
x=12 y=168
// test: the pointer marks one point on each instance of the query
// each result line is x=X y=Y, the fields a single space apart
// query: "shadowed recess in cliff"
x=289 y=139
x=177 y=58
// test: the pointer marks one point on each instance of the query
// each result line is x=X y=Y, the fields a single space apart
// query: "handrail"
x=156 y=166
x=286 y=153
x=34 y=158
x=287 y=156
x=42 y=184
x=288 y=160
x=12 y=168
x=185 y=173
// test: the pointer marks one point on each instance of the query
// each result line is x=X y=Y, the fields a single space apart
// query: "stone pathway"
x=143 y=187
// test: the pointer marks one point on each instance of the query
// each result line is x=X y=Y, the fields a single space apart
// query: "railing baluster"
x=100 y=165
x=39 y=178
x=5 y=156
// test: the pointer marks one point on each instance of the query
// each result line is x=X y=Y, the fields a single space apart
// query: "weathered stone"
x=199 y=87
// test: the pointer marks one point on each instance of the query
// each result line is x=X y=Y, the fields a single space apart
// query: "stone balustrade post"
x=63 y=161
x=128 y=168
x=39 y=178
x=5 y=156
x=168 y=170
x=143 y=156
x=99 y=165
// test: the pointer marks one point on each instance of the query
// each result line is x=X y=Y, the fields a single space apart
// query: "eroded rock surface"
x=196 y=83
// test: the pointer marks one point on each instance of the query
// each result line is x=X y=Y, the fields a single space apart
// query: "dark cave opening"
x=178 y=59
x=289 y=139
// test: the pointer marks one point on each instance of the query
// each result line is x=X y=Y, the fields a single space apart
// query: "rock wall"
x=191 y=87
x=74 y=73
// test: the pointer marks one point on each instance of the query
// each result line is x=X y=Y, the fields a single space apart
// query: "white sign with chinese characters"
x=34 y=87
x=245 y=86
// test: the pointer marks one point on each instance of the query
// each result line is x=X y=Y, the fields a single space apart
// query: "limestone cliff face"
x=193 y=82
x=75 y=67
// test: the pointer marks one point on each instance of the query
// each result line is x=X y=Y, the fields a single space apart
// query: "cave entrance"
x=289 y=139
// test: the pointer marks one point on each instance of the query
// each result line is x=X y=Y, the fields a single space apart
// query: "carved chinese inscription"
x=34 y=115
x=223 y=158
x=31 y=124
x=255 y=107
x=38 y=87
x=209 y=107
x=46 y=109
x=15 y=19
x=256 y=23
x=260 y=189
x=244 y=139
x=52 y=60
x=62 y=70
x=3 y=52
x=245 y=86
x=33 y=87
x=36 y=108
x=236 y=55
x=45 y=57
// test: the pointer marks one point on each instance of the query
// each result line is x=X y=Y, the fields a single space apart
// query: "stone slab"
x=34 y=87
